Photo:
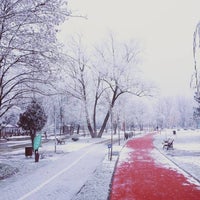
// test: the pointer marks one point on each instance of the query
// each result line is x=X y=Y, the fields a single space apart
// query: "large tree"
x=120 y=74
x=28 y=47
x=100 y=78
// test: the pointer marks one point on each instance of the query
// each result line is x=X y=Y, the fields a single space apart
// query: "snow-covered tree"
x=33 y=119
x=196 y=50
x=12 y=116
x=77 y=77
x=196 y=76
x=28 y=47
x=172 y=112
x=120 y=73
x=100 y=78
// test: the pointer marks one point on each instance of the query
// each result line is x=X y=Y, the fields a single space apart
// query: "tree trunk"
x=93 y=135
x=115 y=128
x=104 y=125
x=94 y=118
x=108 y=112
x=78 y=128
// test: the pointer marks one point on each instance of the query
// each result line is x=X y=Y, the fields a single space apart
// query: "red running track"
x=140 y=178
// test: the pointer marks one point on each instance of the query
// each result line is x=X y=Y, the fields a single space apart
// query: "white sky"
x=164 y=28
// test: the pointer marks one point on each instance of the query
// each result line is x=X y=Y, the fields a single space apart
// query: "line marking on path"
x=54 y=177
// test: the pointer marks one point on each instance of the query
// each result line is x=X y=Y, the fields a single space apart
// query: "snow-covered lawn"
x=186 y=150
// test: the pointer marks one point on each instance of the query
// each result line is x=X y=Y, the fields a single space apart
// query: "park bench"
x=168 y=144
x=60 y=141
x=75 y=137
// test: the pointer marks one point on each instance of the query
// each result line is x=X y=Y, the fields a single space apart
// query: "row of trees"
x=136 y=114
x=32 y=65
x=94 y=86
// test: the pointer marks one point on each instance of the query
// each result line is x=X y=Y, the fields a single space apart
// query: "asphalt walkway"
x=54 y=180
x=140 y=176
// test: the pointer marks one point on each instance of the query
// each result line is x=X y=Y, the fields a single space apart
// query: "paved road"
x=60 y=179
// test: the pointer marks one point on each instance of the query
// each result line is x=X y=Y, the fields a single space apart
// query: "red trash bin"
x=28 y=151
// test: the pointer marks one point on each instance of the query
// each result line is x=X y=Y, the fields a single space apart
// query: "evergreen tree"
x=33 y=119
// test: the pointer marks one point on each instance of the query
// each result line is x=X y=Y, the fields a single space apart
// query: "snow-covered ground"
x=184 y=158
x=185 y=155
x=98 y=183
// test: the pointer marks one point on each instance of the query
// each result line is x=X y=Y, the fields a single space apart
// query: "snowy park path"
x=60 y=179
x=140 y=174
